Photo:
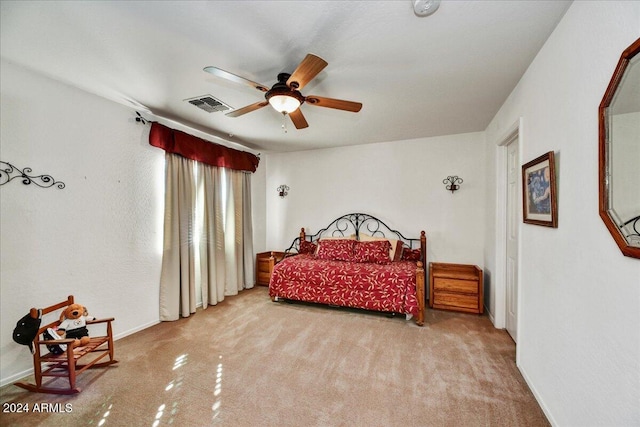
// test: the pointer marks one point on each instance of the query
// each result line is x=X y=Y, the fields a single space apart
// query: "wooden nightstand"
x=264 y=266
x=457 y=287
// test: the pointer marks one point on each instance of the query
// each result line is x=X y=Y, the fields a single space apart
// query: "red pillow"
x=411 y=254
x=376 y=251
x=336 y=249
x=307 y=247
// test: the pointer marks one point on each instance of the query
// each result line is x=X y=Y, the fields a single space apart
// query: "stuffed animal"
x=73 y=324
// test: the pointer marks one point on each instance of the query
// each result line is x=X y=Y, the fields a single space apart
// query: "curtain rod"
x=141 y=119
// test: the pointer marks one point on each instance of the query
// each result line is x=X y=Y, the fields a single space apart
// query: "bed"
x=357 y=261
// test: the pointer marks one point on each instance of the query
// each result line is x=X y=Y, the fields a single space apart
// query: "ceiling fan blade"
x=310 y=66
x=298 y=119
x=236 y=79
x=338 y=104
x=247 y=109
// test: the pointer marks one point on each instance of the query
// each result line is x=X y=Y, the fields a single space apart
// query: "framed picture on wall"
x=539 y=191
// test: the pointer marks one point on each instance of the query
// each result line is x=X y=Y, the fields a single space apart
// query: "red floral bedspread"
x=390 y=287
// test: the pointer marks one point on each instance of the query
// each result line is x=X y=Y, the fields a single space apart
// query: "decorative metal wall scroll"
x=8 y=173
x=453 y=183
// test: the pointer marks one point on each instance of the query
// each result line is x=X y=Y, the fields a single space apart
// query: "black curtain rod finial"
x=141 y=119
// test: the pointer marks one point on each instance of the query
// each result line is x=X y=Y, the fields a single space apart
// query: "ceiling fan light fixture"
x=284 y=103
x=285 y=96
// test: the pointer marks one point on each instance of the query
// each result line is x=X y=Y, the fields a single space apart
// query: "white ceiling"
x=416 y=76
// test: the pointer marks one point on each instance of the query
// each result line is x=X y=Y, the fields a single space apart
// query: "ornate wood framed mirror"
x=619 y=153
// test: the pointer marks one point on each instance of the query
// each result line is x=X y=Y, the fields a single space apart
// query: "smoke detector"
x=425 y=7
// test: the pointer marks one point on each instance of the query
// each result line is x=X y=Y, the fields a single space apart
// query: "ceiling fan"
x=285 y=96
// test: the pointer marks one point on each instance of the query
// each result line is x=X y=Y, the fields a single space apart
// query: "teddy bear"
x=73 y=324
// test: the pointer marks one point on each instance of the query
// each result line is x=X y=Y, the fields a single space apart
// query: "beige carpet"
x=252 y=362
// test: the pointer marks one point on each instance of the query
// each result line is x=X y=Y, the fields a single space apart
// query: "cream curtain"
x=212 y=242
x=239 y=246
x=208 y=230
x=247 y=242
x=177 y=279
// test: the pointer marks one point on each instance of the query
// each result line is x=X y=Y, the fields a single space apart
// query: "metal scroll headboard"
x=354 y=224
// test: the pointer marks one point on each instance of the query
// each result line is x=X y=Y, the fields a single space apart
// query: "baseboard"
x=13 y=378
x=490 y=316
x=546 y=411
x=134 y=330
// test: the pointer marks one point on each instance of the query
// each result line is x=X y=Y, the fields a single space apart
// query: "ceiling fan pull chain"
x=284 y=121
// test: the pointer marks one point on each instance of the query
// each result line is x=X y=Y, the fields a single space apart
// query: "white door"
x=513 y=169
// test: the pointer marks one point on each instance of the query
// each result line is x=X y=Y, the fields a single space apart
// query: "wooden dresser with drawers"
x=457 y=287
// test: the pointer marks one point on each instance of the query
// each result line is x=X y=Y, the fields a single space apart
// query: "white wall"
x=398 y=182
x=579 y=330
x=99 y=238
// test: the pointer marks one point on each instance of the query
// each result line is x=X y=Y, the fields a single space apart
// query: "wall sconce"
x=283 y=190
x=452 y=183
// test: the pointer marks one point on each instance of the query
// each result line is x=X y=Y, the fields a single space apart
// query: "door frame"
x=500 y=278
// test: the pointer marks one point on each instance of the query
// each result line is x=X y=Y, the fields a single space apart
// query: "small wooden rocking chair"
x=67 y=363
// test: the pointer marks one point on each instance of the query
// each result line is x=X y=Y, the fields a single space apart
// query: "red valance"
x=191 y=147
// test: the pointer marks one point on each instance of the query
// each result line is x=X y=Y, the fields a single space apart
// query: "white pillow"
x=352 y=237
